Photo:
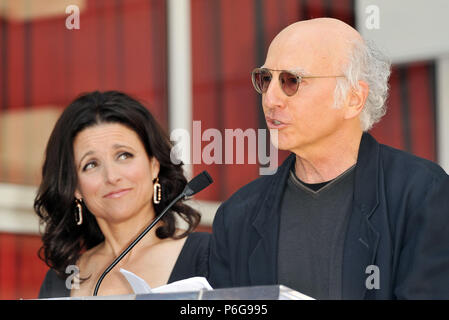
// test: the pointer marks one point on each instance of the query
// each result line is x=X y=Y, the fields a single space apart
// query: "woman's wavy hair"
x=63 y=240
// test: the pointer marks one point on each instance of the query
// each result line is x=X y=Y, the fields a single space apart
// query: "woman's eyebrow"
x=88 y=153
x=118 y=146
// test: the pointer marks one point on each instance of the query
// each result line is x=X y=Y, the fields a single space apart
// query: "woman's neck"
x=119 y=235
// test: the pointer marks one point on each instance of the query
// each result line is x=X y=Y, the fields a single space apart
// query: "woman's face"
x=115 y=174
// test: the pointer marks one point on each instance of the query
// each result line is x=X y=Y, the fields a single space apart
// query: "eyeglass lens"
x=288 y=81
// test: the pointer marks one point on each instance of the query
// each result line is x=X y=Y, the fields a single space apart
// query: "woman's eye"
x=125 y=155
x=89 y=165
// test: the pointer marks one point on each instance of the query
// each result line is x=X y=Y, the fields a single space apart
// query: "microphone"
x=195 y=185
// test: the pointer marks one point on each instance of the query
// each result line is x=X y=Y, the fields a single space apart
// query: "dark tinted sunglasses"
x=288 y=80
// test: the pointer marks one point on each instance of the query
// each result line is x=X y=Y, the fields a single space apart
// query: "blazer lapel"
x=262 y=262
x=362 y=238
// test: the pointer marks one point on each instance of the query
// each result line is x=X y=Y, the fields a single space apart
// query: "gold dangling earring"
x=79 y=212
x=157 y=192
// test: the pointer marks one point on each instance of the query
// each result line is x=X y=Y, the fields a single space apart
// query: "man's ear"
x=356 y=100
x=155 y=167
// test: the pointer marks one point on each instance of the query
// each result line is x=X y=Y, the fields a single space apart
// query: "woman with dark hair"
x=107 y=174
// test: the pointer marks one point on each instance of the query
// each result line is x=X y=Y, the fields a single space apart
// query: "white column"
x=180 y=70
x=442 y=66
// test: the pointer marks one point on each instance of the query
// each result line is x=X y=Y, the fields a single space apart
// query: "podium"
x=273 y=292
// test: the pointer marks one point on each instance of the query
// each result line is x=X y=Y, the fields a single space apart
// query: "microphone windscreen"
x=198 y=183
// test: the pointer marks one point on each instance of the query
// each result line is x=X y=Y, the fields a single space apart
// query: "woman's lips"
x=117 y=194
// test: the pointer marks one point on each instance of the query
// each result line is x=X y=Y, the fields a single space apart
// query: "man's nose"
x=274 y=96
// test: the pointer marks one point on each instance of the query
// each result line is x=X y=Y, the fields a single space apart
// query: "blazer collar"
x=263 y=258
x=273 y=196
x=362 y=238
x=366 y=185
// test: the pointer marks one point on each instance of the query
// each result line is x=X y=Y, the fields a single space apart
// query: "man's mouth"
x=275 y=123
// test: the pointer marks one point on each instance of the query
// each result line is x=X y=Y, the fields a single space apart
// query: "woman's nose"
x=111 y=173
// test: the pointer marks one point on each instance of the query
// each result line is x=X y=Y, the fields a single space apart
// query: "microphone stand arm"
x=141 y=235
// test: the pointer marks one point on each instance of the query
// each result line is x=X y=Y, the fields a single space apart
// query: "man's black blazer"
x=399 y=223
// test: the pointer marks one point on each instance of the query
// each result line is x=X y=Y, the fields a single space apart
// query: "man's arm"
x=423 y=270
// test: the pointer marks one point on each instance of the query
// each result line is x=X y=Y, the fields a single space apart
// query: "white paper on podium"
x=139 y=285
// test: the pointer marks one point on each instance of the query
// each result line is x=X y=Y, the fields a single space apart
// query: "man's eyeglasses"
x=288 y=80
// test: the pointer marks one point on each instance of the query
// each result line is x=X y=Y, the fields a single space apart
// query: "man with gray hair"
x=344 y=217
